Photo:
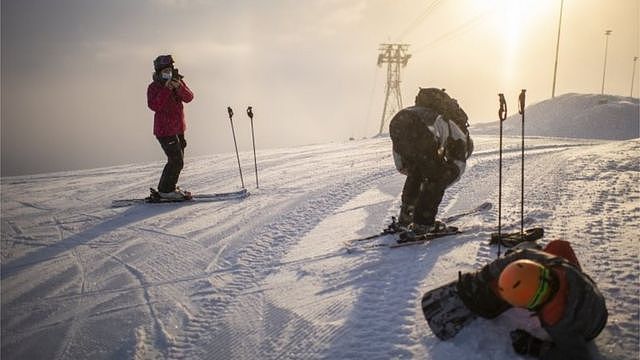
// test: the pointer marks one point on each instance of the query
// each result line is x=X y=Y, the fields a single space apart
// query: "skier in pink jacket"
x=165 y=96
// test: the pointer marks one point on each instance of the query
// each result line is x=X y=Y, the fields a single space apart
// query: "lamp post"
x=555 y=68
x=604 y=69
x=633 y=75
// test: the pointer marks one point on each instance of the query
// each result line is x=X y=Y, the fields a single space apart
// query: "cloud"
x=211 y=50
x=348 y=14
x=185 y=52
x=339 y=15
x=110 y=51
x=175 y=3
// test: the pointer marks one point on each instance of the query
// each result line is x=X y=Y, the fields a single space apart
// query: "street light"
x=633 y=74
x=606 y=47
x=555 y=68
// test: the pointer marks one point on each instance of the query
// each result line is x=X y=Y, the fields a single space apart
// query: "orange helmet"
x=524 y=283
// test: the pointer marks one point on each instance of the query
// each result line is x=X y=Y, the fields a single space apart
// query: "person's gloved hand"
x=525 y=344
x=400 y=163
x=477 y=294
x=449 y=173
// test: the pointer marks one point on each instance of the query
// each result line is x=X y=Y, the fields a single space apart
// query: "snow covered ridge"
x=586 y=116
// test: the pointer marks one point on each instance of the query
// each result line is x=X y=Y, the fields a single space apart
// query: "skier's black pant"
x=173 y=147
x=423 y=196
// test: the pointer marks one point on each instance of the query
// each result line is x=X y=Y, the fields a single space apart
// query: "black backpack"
x=442 y=103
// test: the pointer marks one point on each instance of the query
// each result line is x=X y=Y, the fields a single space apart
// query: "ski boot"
x=406 y=215
x=415 y=231
x=172 y=196
x=420 y=229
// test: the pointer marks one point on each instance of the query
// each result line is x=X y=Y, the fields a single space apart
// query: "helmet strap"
x=549 y=285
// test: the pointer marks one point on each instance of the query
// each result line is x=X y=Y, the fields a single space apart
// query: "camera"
x=176 y=75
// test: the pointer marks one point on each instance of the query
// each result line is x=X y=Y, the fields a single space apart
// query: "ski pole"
x=502 y=115
x=253 y=138
x=233 y=132
x=521 y=100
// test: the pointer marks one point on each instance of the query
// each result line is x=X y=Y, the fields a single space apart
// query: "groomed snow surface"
x=269 y=277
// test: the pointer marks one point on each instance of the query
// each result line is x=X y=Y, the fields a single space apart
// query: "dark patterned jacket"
x=582 y=310
x=424 y=141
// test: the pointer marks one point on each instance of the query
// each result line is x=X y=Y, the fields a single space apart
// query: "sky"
x=74 y=73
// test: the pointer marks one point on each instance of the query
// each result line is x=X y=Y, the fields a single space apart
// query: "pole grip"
x=521 y=100
x=230 y=111
x=502 y=113
x=250 y=112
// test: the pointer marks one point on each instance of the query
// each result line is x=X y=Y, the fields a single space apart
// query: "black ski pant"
x=173 y=147
x=423 y=196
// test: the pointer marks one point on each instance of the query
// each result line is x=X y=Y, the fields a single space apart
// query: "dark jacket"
x=423 y=139
x=168 y=119
x=583 y=313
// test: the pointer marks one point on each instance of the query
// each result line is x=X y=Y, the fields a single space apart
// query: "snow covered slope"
x=268 y=276
x=586 y=116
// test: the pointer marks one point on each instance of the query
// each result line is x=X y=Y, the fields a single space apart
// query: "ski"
x=395 y=228
x=242 y=192
x=405 y=238
x=196 y=198
x=408 y=238
x=478 y=209
x=392 y=228
x=514 y=238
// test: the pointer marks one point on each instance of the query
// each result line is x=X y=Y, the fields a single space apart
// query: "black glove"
x=475 y=292
x=525 y=343
x=450 y=173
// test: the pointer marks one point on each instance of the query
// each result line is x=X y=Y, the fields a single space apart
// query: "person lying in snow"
x=431 y=145
x=549 y=282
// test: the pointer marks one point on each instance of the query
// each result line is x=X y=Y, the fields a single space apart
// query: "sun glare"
x=512 y=19
x=512 y=34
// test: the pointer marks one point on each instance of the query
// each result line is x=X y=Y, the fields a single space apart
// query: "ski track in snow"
x=268 y=276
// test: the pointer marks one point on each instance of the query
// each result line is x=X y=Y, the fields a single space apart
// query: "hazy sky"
x=75 y=72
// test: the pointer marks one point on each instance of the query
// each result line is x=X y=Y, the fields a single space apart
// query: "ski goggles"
x=543 y=289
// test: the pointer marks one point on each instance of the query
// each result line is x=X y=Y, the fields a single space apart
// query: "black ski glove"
x=525 y=343
x=474 y=289
x=183 y=141
x=449 y=173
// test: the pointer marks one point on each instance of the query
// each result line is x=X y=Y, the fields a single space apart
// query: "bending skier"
x=165 y=96
x=431 y=144
x=551 y=284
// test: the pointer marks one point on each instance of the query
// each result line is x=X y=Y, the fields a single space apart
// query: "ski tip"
x=486 y=205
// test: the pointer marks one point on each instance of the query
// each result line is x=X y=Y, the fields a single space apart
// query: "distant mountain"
x=586 y=116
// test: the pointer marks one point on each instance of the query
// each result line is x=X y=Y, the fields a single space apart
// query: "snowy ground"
x=268 y=276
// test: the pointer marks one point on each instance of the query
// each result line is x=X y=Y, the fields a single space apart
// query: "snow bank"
x=586 y=116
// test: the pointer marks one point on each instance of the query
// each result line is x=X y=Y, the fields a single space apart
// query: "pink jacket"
x=167 y=105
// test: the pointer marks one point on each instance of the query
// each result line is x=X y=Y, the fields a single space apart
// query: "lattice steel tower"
x=396 y=57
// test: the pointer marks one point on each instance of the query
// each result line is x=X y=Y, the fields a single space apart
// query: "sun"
x=513 y=22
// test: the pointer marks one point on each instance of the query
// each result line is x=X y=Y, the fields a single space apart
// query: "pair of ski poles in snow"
x=502 y=115
x=235 y=143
